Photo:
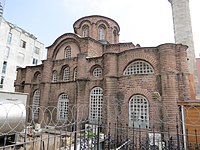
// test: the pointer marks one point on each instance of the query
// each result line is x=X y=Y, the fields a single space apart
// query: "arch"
x=138 y=67
x=36 y=104
x=138 y=111
x=65 y=42
x=96 y=103
x=62 y=107
x=104 y=22
x=84 y=22
x=37 y=76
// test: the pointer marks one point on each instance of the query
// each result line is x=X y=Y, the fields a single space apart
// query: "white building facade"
x=18 y=48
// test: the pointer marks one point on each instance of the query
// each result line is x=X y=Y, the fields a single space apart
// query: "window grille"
x=85 y=31
x=138 y=112
x=97 y=72
x=54 y=77
x=101 y=32
x=96 y=103
x=66 y=74
x=139 y=67
x=68 y=52
x=36 y=103
x=62 y=111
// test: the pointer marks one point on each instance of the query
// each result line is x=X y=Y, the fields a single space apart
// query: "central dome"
x=100 y=28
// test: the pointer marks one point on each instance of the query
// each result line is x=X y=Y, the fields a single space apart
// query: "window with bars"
x=68 y=52
x=96 y=103
x=85 y=31
x=54 y=76
x=62 y=110
x=36 y=103
x=66 y=74
x=101 y=32
x=75 y=73
x=97 y=72
x=139 y=67
x=138 y=112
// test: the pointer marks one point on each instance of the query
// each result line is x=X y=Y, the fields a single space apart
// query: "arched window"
x=101 y=32
x=96 y=103
x=38 y=77
x=62 y=109
x=85 y=31
x=139 y=67
x=36 y=103
x=54 y=76
x=75 y=73
x=66 y=74
x=97 y=72
x=68 y=52
x=138 y=111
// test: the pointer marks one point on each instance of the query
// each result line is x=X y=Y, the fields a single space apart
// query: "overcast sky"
x=145 y=22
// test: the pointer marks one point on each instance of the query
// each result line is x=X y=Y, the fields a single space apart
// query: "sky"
x=145 y=22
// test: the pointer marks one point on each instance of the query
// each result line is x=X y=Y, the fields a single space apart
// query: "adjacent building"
x=89 y=75
x=18 y=48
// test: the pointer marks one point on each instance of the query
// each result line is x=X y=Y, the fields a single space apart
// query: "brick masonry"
x=170 y=77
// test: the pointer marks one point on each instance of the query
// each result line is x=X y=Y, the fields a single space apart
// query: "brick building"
x=105 y=79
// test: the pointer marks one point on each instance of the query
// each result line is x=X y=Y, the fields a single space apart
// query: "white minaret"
x=183 y=34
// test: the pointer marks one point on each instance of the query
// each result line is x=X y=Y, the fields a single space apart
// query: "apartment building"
x=18 y=49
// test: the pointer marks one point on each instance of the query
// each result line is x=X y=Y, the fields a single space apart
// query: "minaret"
x=183 y=34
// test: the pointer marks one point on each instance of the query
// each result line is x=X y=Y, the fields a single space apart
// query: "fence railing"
x=77 y=131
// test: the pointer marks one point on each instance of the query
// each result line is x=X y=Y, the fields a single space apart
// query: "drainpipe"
x=183 y=125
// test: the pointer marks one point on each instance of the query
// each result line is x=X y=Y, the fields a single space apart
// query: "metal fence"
x=47 y=133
